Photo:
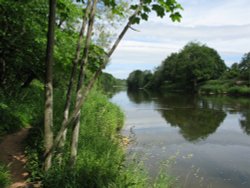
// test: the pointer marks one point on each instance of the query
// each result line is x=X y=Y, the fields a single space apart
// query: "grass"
x=224 y=87
x=101 y=156
x=4 y=176
x=239 y=90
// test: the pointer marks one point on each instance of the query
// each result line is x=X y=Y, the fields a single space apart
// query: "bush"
x=4 y=176
x=213 y=89
x=21 y=108
x=224 y=86
x=239 y=90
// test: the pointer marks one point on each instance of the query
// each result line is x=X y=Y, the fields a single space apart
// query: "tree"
x=73 y=73
x=139 y=79
x=244 y=67
x=48 y=109
x=84 y=61
x=135 y=79
x=22 y=42
x=194 y=64
x=141 y=11
x=233 y=72
x=201 y=63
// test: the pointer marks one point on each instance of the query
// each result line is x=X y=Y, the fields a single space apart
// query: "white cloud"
x=215 y=13
x=221 y=24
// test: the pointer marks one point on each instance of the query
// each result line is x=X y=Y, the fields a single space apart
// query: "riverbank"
x=229 y=87
x=101 y=160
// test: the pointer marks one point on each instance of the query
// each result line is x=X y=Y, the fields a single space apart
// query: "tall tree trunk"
x=72 y=76
x=48 y=111
x=76 y=126
x=85 y=91
x=2 y=71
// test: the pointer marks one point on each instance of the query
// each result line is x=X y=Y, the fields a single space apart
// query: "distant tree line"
x=108 y=82
x=188 y=69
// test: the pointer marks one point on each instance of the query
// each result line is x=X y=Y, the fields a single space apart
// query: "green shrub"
x=34 y=152
x=20 y=109
x=239 y=90
x=213 y=89
x=231 y=87
x=4 y=176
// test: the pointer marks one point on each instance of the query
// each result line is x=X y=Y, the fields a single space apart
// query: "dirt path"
x=12 y=154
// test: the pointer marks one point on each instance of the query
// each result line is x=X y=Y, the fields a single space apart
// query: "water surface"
x=208 y=137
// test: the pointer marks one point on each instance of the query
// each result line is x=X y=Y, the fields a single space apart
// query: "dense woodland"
x=197 y=68
x=52 y=57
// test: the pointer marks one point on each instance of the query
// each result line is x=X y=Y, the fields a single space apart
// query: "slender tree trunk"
x=72 y=76
x=2 y=71
x=85 y=91
x=76 y=126
x=48 y=111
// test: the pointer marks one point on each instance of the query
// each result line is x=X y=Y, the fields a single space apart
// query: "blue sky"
x=221 y=24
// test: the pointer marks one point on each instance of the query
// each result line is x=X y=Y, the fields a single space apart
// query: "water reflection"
x=197 y=117
x=235 y=105
x=214 y=129
x=245 y=122
x=140 y=96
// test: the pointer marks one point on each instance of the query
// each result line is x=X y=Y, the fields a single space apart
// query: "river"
x=205 y=138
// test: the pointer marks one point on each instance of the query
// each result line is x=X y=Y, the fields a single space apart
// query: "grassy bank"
x=101 y=158
x=230 y=87
x=4 y=176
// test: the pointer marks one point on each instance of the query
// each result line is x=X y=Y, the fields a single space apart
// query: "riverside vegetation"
x=101 y=161
x=40 y=95
x=196 y=68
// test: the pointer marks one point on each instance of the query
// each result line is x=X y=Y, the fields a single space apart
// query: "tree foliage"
x=24 y=42
x=23 y=29
x=244 y=67
x=194 y=64
x=138 y=79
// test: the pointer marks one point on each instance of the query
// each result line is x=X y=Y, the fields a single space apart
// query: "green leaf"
x=147 y=1
x=176 y=17
x=144 y=16
x=133 y=7
x=135 y=20
x=146 y=9
x=159 y=10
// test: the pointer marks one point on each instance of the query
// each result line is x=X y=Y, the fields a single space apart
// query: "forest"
x=52 y=84
x=196 y=68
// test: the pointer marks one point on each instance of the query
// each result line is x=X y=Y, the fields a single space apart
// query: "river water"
x=205 y=138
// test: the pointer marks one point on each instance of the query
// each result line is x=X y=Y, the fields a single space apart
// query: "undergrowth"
x=231 y=87
x=4 y=176
x=20 y=108
x=101 y=157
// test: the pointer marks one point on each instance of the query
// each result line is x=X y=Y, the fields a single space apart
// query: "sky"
x=220 y=24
